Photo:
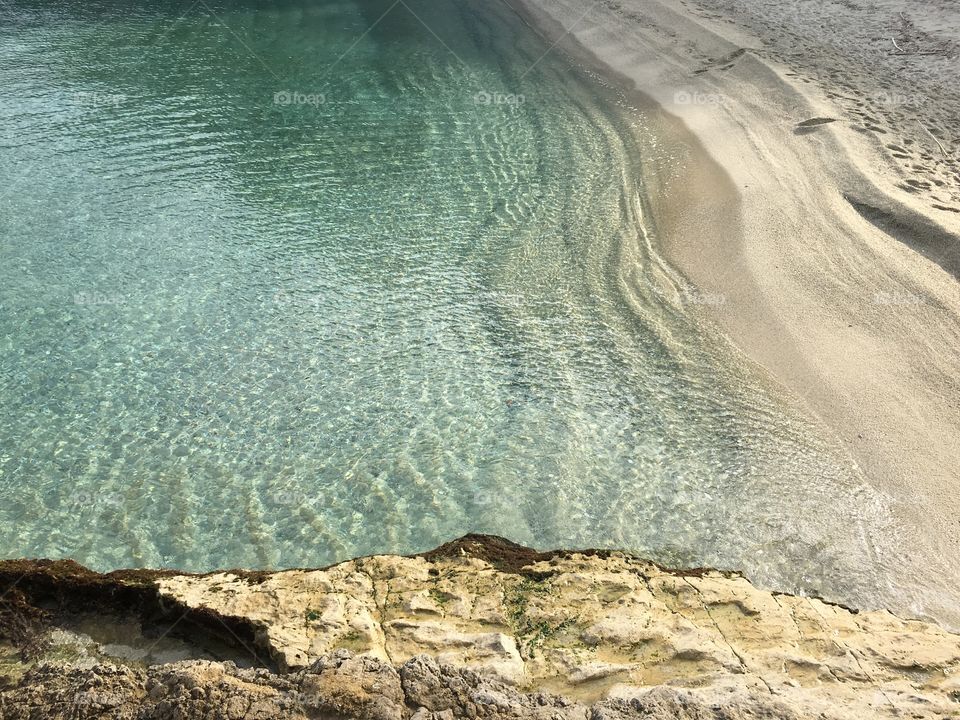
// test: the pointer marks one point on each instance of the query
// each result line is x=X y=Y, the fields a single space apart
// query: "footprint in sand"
x=722 y=63
x=808 y=126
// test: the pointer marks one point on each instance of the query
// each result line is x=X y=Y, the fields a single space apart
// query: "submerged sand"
x=819 y=196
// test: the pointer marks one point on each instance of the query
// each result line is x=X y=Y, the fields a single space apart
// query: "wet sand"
x=820 y=198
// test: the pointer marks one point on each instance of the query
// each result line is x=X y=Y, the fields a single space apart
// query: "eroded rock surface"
x=466 y=634
x=338 y=686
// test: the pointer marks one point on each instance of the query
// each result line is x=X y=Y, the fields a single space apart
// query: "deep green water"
x=417 y=300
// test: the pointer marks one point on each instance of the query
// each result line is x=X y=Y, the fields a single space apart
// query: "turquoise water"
x=284 y=283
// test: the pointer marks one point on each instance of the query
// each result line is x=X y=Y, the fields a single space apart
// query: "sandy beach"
x=820 y=198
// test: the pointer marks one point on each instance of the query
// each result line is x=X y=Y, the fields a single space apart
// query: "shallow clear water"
x=284 y=283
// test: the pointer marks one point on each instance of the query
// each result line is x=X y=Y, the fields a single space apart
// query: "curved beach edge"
x=813 y=190
x=479 y=627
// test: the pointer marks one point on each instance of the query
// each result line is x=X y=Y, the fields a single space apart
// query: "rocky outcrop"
x=484 y=628
x=339 y=686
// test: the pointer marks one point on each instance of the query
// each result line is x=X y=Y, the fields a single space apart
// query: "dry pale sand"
x=820 y=196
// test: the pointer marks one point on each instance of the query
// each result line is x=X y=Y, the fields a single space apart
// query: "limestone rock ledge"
x=484 y=628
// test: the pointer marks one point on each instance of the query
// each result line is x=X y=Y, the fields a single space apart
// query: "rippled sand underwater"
x=287 y=283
